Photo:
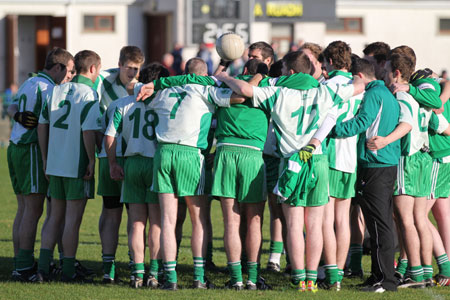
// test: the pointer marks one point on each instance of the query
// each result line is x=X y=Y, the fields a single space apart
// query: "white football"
x=230 y=46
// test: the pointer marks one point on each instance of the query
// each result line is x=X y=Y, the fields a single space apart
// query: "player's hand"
x=376 y=143
x=222 y=76
x=27 y=119
x=116 y=172
x=255 y=79
x=439 y=111
x=145 y=92
x=44 y=167
x=90 y=171
x=306 y=152
x=399 y=87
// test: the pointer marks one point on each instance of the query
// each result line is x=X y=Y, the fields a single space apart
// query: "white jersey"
x=69 y=110
x=185 y=113
x=106 y=118
x=297 y=114
x=109 y=87
x=418 y=117
x=135 y=121
x=342 y=154
x=29 y=98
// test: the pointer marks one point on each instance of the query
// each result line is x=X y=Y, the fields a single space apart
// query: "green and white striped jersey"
x=109 y=87
x=185 y=112
x=342 y=154
x=297 y=114
x=69 y=110
x=106 y=118
x=135 y=122
x=29 y=98
x=418 y=117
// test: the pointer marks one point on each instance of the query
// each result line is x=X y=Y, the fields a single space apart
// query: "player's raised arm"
x=240 y=87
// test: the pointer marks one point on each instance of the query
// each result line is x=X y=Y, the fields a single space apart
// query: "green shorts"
x=26 y=169
x=138 y=180
x=342 y=184
x=65 y=188
x=318 y=195
x=179 y=170
x=413 y=175
x=107 y=186
x=239 y=174
x=440 y=183
x=272 y=165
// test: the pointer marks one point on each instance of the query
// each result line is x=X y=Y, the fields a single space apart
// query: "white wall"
x=412 y=23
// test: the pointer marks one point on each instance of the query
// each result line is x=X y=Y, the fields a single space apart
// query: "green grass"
x=89 y=252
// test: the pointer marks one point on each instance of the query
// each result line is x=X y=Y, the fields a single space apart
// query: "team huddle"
x=336 y=144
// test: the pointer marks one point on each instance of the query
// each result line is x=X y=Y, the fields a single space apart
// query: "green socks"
x=24 y=260
x=416 y=273
x=45 y=257
x=68 y=267
x=139 y=270
x=171 y=273
x=427 y=272
x=402 y=265
x=199 y=269
x=276 y=248
x=154 y=268
x=109 y=265
x=443 y=264
x=340 y=275
x=253 y=271
x=356 y=252
x=297 y=276
x=311 y=275
x=235 y=270
x=331 y=272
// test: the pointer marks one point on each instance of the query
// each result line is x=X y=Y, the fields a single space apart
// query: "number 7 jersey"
x=185 y=112
x=69 y=110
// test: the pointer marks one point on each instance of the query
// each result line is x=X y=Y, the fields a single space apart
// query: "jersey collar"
x=84 y=80
x=42 y=74
x=374 y=83
x=341 y=73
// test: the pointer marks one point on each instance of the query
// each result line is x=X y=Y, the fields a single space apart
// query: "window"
x=347 y=25
x=444 y=26
x=99 y=23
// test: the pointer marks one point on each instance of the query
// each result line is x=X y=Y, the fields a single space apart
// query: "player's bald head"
x=196 y=66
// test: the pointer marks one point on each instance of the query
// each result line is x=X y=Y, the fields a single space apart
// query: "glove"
x=306 y=152
x=224 y=63
x=26 y=118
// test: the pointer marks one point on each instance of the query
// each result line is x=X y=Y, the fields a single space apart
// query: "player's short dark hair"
x=152 y=71
x=196 y=66
x=315 y=49
x=275 y=68
x=85 y=59
x=255 y=66
x=57 y=56
x=354 y=57
x=402 y=63
x=266 y=50
x=131 y=53
x=405 y=51
x=340 y=53
x=379 y=50
x=299 y=62
x=363 y=66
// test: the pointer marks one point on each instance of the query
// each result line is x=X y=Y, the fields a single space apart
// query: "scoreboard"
x=208 y=19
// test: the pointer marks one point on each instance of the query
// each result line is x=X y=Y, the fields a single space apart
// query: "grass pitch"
x=89 y=252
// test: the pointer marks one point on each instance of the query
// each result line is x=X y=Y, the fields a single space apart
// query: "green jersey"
x=135 y=121
x=440 y=144
x=69 y=110
x=297 y=114
x=342 y=153
x=426 y=91
x=377 y=116
x=29 y=98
